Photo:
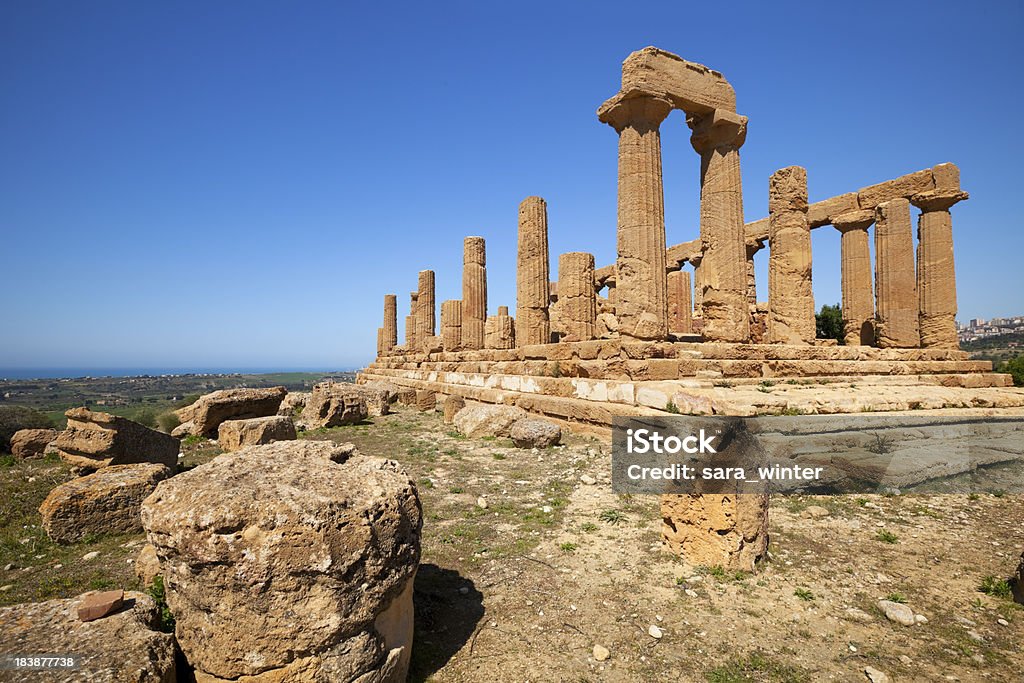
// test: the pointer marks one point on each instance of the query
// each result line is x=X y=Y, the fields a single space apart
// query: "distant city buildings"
x=979 y=328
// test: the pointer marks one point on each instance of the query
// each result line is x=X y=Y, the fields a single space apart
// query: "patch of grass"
x=568 y=547
x=613 y=517
x=456 y=435
x=192 y=440
x=426 y=483
x=455 y=489
x=756 y=666
x=886 y=536
x=159 y=595
x=881 y=445
x=804 y=594
x=8 y=461
x=722 y=574
x=671 y=407
x=896 y=597
x=791 y=410
x=588 y=527
x=998 y=493
x=499 y=456
x=996 y=587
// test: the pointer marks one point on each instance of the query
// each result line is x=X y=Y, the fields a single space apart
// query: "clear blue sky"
x=238 y=184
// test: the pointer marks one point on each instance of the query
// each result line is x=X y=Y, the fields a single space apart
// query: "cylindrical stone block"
x=790 y=298
x=502 y=310
x=425 y=306
x=698 y=290
x=718 y=138
x=390 y=339
x=936 y=277
x=532 y=274
x=680 y=306
x=474 y=293
x=895 y=282
x=451 y=324
x=380 y=342
x=499 y=332
x=858 y=298
x=730 y=531
x=577 y=296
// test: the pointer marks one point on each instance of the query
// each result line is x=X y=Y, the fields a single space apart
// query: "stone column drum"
x=474 y=293
x=698 y=289
x=895 y=284
x=790 y=299
x=390 y=340
x=425 y=311
x=717 y=137
x=412 y=322
x=451 y=324
x=380 y=342
x=753 y=247
x=858 y=299
x=680 y=306
x=532 y=274
x=936 y=277
x=730 y=531
x=577 y=295
x=641 y=287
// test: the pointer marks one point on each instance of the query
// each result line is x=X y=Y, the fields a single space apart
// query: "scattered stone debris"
x=203 y=417
x=94 y=440
x=334 y=404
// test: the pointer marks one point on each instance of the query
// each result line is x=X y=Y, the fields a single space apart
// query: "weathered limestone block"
x=407 y=396
x=93 y=440
x=680 y=302
x=425 y=307
x=936 y=277
x=477 y=421
x=790 y=298
x=692 y=86
x=210 y=410
x=123 y=646
x=147 y=564
x=378 y=396
x=858 y=299
x=301 y=551
x=532 y=432
x=895 y=284
x=474 y=292
x=390 y=335
x=452 y=405
x=717 y=137
x=499 y=332
x=293 y=403
x=752 y=248
x=380 y=342
x=730 y=531
x=106 y=502
x=412 y=322
x=577 y=296
x=451 y=324
x=425 y=400
x=32 y=443
x=641 y=287
x=607 y=326
x=898 y=188
x=233 y=435
x=333 y=404
x=825 y=211
x=532 y=274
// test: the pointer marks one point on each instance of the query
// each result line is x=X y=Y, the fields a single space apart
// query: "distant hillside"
x=999 y=341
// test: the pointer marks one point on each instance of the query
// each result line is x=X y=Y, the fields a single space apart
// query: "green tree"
x=829 y=321
x=15 y=418
x=1015 y=366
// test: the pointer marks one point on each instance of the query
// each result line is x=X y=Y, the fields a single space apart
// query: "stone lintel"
x=861 y=219
x=692 y=87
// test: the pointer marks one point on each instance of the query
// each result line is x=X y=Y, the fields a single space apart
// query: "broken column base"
x=728 y=531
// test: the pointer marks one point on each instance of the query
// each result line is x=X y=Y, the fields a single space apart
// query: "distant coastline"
x=80 y=372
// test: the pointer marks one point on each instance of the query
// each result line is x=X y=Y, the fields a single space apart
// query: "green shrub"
x=144 y=416
x=167 y=421
x=829 y=323
x=159 y=595
x=15 y=418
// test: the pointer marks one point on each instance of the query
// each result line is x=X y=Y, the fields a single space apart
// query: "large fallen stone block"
x=730 y=531
x=293 y=403
x=452 y=406
x=235 y=434
x=206 y=414
x=93 y=440
x=425 y=400
x=334 y=404
x=477 y=421
x=303 y=552
x=106 y=502
x=31 y=443
x=533 y=432
x=378 y=396
x=123 y=646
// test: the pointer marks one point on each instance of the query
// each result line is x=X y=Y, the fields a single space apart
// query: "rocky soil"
x=533 y=570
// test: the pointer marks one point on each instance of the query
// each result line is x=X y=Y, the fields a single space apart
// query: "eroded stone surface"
x=534 y=432
x=790 y=298
x=235 y=434
x=474 y=293
x=477 y=421
x=31 y=443
x=206 y=414
x=333 y=404
x=532 y=274
x=93 y=440
x=577 y=297
x=895 y=285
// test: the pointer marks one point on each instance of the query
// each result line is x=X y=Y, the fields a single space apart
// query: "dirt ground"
x=526 y=568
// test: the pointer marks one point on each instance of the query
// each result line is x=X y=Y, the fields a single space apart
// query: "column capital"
x=753 y=246
x=854 y=220
x=720 y=128
x=635 y=109
x=937 y=200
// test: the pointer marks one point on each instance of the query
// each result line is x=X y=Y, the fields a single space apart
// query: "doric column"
x=641 y=287
x=425 y=307
x=753 y=246
x=451 y=324
x=474 y=292
x=895 y=283
x=858 y=299
x=717 y=137
x=390 y=338
x=380 y=342
x=698 y=289
x=680 y=306
x=577 y=296
x=790 y=299
x=532 y=274
x=936 y=277
x=412 y=322
x=499 y=330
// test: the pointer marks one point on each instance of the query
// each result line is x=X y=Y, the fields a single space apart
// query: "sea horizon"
x=78 y=372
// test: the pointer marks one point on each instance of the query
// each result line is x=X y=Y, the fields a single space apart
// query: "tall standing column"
x=412 y=323
x=858 y=299
x=390 y=334
x=895 y=283
x=451 y=324
x=425 y=307
x=680 y=306
x=752 y=248
x=717 y=137
x=790 y=298
x=641 y=287
x=936 y=277
x=380 y=342
x=577 y=296
x=474 y=292
x=533 y=325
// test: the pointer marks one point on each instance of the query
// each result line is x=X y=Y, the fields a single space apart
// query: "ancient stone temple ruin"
x=678 y=328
